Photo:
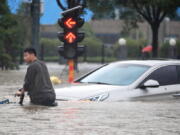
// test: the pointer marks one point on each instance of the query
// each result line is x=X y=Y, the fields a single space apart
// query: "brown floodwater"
x=83 y=118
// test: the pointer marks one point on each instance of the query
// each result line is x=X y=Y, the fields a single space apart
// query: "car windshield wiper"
x=99 y=83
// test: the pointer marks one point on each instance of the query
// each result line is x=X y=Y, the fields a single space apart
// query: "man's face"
x=28 y=57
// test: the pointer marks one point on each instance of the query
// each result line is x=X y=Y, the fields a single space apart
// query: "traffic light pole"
x=71 y=71
x=35 y=13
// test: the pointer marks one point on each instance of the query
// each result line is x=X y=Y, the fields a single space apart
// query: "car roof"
x=150 y=62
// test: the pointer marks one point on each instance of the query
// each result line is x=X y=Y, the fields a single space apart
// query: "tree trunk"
x=155 y=31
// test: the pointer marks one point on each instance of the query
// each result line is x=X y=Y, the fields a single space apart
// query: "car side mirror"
x=150 y=84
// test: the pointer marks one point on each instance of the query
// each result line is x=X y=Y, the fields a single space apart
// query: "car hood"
x=81 y=91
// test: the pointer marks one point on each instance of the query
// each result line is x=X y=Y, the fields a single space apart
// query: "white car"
x=126 y=80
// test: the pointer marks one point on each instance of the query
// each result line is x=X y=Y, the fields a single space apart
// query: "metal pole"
x=102 y=54
x=85 y=53
x=71 y=3
x=35 y=13
x=71 y=71
x=76 y=65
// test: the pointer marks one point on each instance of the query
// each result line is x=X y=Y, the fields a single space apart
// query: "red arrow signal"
x=70 y=23
x=70 y=37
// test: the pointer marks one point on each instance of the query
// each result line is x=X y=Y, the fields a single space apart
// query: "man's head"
x=29 y=55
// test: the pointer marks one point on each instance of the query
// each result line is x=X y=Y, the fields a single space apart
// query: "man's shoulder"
x=34 y=64
x=37 y=63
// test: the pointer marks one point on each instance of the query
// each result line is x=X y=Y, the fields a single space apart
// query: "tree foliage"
x=153 y=11
x=10 y=37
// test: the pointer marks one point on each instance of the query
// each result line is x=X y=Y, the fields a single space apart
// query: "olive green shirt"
x=37 y=80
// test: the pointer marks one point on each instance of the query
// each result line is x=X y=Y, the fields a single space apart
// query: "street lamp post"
x=35 y=12
x=123 y=49
x=37 y=9
x=172 y=43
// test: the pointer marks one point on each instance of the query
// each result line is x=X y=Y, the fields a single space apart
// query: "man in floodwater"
x=37 y=81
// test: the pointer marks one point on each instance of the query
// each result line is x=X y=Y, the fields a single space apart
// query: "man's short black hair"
x=30 y=50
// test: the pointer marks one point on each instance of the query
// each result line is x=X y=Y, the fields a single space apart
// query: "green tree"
x=3 y=8
x=153 y=11
x=10 y=37
x=92 y=43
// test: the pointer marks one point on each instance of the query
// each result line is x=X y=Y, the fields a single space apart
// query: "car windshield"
x=116 y=74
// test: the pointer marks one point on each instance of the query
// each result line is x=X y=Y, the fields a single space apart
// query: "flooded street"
x=83 y=118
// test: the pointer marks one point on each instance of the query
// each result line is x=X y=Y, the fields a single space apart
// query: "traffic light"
x=70 y=36
x=70 y=23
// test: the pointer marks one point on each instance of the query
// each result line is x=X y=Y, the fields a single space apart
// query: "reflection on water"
x=84 y=118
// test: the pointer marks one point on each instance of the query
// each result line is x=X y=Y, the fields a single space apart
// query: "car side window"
x=178 y=73
x=165 y=75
